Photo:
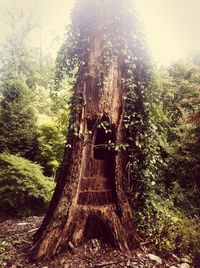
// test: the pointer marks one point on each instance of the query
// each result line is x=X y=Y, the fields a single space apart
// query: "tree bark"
x=89 y=200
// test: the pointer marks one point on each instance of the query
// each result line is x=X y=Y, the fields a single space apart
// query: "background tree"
x=17 y=120
x=169 y=215
x=185 y=154
x=26 y=79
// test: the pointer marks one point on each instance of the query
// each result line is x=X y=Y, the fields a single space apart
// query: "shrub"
x=169 y=228
x=175 y=231
x=24 y=190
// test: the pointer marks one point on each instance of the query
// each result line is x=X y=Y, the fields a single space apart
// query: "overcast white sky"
x=172 y=26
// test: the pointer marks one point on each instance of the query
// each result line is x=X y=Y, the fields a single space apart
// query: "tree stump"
x=90 y=201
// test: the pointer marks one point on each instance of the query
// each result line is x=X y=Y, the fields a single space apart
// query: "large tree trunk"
x=89 y=200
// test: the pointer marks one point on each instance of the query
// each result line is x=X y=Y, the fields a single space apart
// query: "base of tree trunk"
x=84 y=224
x=93 y=214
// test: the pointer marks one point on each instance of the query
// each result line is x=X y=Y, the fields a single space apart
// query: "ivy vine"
x=120 y=30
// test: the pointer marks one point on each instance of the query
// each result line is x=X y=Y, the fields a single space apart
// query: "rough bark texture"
x=89 y=200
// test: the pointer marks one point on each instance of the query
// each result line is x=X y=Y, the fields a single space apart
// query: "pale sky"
x=171 y=26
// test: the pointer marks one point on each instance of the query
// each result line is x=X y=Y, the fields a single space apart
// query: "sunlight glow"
x=171 y=26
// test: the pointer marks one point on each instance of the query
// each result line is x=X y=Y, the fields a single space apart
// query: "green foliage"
x=17 y=119
x=183 y=160
x=26 y=78
x=170 y=212
x=51 y=143
x=23 y=188
x=169 y=228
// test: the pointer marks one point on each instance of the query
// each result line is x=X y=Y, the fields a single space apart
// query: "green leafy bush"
x=169 y=228
x=24 y=190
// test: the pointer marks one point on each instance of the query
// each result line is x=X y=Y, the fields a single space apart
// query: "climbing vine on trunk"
x=122 y=37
